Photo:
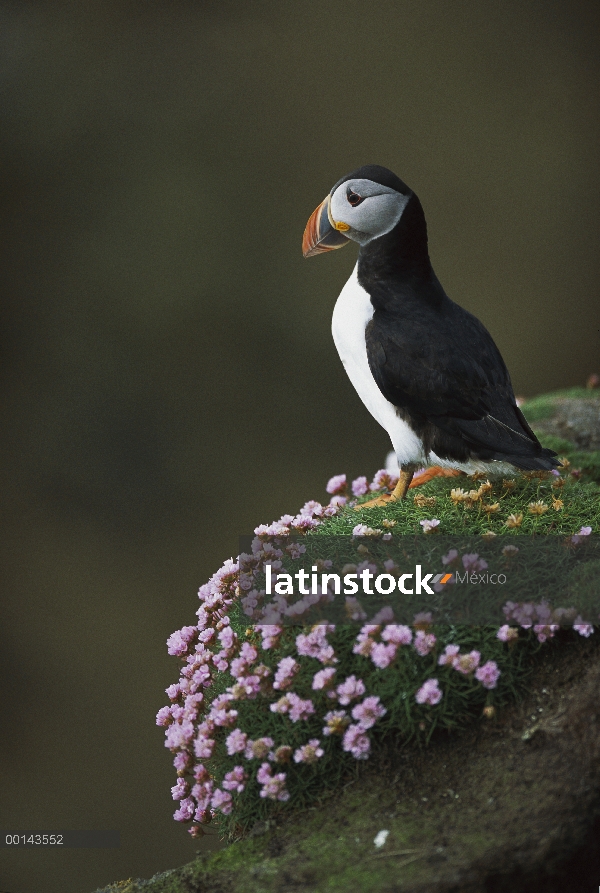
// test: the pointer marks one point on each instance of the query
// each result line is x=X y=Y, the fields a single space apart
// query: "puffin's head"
x=362 y=206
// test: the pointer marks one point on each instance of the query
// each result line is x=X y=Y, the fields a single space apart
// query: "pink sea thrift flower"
x=310 y=753
x=281 y=706
x=286 y=670
x=356 y=742
x=235 y=780
x=507 y=633
x=545 y=631
x=270 y=634
x=585 y=531
x=336 y=720
x=186 y=810
x=180 y=790
x=466 y=663
x=429 y=693
x=397 y=635
x=360 y=486
x=448 y=656
x=424 y=642
x=450 y=558
x=236 y=742
x=430 y=525
x=583 y=628
x=315 y=644
x=164 y=717
x=336 y=484
x=382 y=655
x=472 y=562
x=179 y=641
x=368 y=712
x=273 y=786
x=488 y=674
x=222 y=801
x=182 y=761
x=350 y=689
x=299 y=708
x=259 y=749
x=323 y=678
x=384 y=480
x=338 y=501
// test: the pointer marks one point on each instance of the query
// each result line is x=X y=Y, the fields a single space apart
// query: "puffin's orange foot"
x=377 y=501
x=434 y=471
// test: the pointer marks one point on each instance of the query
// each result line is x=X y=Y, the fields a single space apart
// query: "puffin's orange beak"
x=320 y=235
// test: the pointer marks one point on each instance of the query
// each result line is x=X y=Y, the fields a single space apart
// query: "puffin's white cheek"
x=379 y=214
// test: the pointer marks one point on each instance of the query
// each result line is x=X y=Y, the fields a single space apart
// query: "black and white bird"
x=425 y=368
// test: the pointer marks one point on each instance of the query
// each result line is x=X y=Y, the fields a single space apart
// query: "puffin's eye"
x=353 y=197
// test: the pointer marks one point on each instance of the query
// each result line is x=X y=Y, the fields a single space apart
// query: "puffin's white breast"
x=353 y=311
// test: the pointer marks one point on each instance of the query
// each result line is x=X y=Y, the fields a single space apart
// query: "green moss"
x=543 y=406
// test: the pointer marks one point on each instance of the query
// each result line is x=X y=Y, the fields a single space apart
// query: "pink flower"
x=258 y=749
x=381 y=655
x=315 y=644
x=203 y=747
x=236 y=742
x=368 y=712
x=323 y=678
x=264 y=773
x=202 y=794
x=429 y=693
x=583 y=628
x=310 y=753
x=270 y=634
x=286 y=670
x=545 y=631
x=466 y=663
x=488 y=674
x=336 y=484
x=180 y=790
x=397 y=635
x=585 y=531
x=384 y=480
x=447 y=658
x=299 y=708
x=281 y=706
x=450 y=558
x=424 y=642
x=356 y=742
x=164 y=717
x=179 y=735
x=430 y=525
x=336 y=720
x=360 y=486
x=185 y=812
x=473 y=562
x=178 y=642
x=222 y=800
x=273 y=786
x=182 y=761
x=350 y=689
x=338 y=501
x=235 y=780
x=507 y=633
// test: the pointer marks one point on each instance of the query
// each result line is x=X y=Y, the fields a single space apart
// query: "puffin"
x=426 y=369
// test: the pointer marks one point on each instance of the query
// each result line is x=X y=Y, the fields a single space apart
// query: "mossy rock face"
x=510 y=804
x=573 y=416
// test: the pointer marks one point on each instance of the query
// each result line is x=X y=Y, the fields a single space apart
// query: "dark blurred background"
x=169 y=379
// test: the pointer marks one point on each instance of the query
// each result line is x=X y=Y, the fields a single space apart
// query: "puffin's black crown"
x=377 y=174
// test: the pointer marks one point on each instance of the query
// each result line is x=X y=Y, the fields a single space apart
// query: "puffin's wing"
x=442 y=366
